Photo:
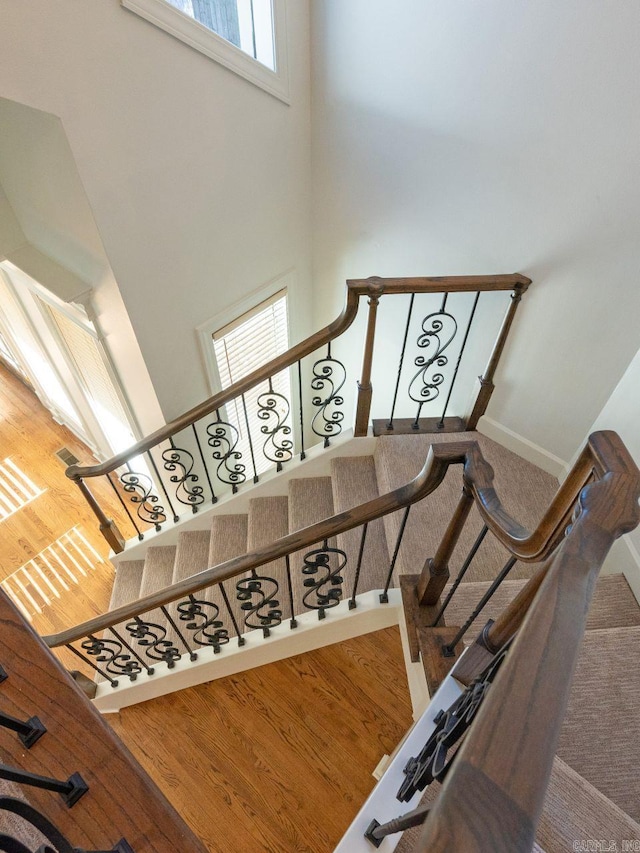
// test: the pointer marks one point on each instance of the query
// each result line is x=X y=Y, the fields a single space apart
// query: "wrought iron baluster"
x=250 y=440
x=140 y=487
x=440 y=423
x=113 y=681
x=384 y=595
x=214 y=499
x=293 y=623
x=193 y=612
x=425 y=387
x=234 y=621
x=120 y=639
x=153 y=639
x=125 y=507
x=192 y=655
x=402 y=352
x=29 y=731
x=324 y=582
x=469 y=559
x=377 y=832
x=162 y=486
x=449 y=649
x=188 y=492
x=433 y=761
x=327 y=421
x=352 y=601
x=35 y=819
x=302 y=453
x=258 y=596
x=223 y=439
x=274 y=408
x=111 y=654
x=70 y=791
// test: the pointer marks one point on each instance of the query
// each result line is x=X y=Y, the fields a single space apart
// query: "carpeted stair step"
x=310 y=500
x=354 y=482
x=573 y=811
x=524 y=489
x=599 y=738
x=127 y=582
x=268 y=521
x=192 y=556
x=613 y=604
x=228 y=539
x=158 y=574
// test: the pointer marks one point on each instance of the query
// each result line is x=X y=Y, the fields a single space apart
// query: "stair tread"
x=228 y=537
x=268 y=521
x=613 y=605
x=126 y=585
x=158 y=568
x=525 y=490
x=310 y=501
x=192 y=554
x=603 y=708
x=354 y=482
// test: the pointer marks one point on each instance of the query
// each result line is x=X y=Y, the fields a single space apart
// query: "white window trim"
x=206 y=330
x=196 y=35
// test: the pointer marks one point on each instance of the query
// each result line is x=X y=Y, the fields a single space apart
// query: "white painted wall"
x=490 y=137
x=622 y=414
x=51 y=234
x=198 y=181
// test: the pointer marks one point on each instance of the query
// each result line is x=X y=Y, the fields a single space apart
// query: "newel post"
x=486 y=380
x=365 y=388
x=108 y=527
x=435 y=573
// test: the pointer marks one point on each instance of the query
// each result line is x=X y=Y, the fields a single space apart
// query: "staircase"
x=593 y=784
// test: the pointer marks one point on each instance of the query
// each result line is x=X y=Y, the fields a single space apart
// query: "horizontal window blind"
x=241 y=347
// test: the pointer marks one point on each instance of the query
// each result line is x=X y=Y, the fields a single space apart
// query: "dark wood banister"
x=439 y=459
x=493 y=796
x=372 y=287
x=477 y=473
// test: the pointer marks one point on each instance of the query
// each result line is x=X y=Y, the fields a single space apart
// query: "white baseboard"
x=523 y=447
x=631 y=568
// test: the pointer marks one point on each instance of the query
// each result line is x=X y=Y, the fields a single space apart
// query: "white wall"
x=490 y=137
x=622 y=414
x=198 y=181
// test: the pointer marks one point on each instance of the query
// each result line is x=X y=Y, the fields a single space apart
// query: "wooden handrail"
x=493 y=796
x=372 y=287
x=439 y=458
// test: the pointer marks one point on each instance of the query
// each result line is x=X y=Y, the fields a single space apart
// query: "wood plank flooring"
x=30 y=437
x=277 y=759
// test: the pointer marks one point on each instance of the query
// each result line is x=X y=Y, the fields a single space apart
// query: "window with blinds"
x=242 y=347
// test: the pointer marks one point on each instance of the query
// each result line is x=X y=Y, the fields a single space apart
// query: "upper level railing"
x=189 y=461
x=66 y=775
x=493 y=749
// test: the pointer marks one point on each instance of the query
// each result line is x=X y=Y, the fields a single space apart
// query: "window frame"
x=170 y=19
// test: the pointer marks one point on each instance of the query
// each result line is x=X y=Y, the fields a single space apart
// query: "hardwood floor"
x=277 y=759
x=30 y=437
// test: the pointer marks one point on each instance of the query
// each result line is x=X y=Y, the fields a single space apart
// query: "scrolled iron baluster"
x=193 y=611
x=327 y=586
x=329 y=375
x=258 y=596
x=140 y=487
x=188 y=492
x=223 y=439
x=152 y=637
x=433 y=761
x=111 y=654
x=274 y=408
x=57 y=842
x=425 y=386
